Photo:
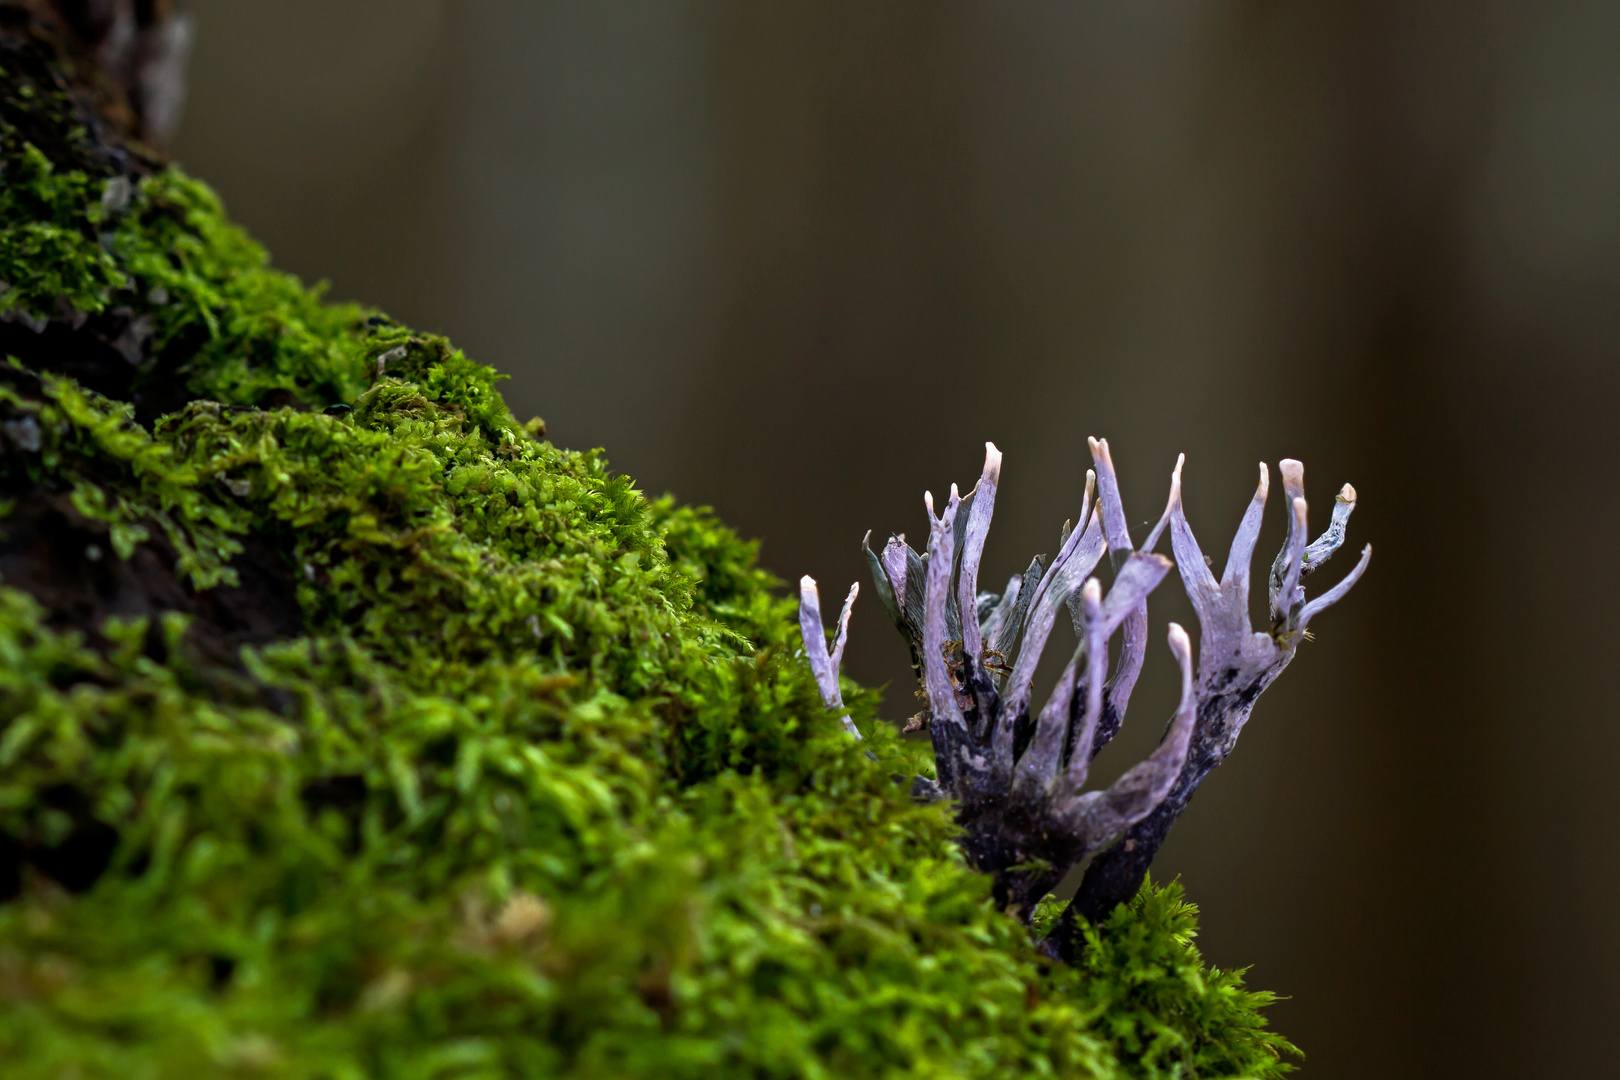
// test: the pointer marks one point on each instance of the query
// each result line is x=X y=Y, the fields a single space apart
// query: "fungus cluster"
x=1018 y=775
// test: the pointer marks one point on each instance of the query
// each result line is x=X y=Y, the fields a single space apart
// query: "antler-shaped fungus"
x=1235 y=665
x=1018 y=778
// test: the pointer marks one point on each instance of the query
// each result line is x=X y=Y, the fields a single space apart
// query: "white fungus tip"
x=1180 y=643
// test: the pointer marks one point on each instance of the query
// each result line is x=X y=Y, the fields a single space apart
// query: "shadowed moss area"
x=350 y=729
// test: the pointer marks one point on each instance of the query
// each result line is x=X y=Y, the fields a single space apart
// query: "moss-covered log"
x=348 y=728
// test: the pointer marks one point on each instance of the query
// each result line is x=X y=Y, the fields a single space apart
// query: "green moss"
x=257 y=331
x=541 y=786
x=65 y=438
x=49 y=246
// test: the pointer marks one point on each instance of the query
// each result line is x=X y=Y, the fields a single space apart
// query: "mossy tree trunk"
x=350 y=728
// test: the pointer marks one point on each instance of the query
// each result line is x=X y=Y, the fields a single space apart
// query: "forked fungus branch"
x=1018 y=775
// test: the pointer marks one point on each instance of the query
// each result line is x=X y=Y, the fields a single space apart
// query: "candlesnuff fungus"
x=822 y=664
x=1017 y=776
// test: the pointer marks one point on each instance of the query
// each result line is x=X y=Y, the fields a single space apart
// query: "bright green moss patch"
x=65 y=438
x=501 y=879
x=49 y=245
x=257 y=331
x=534 y=783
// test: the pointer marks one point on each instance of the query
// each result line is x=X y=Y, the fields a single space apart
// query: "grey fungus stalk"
x=1235 y=666
x=1017 y=775
x=823 y=664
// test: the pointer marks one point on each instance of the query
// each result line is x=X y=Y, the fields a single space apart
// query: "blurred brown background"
x=799 y=259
